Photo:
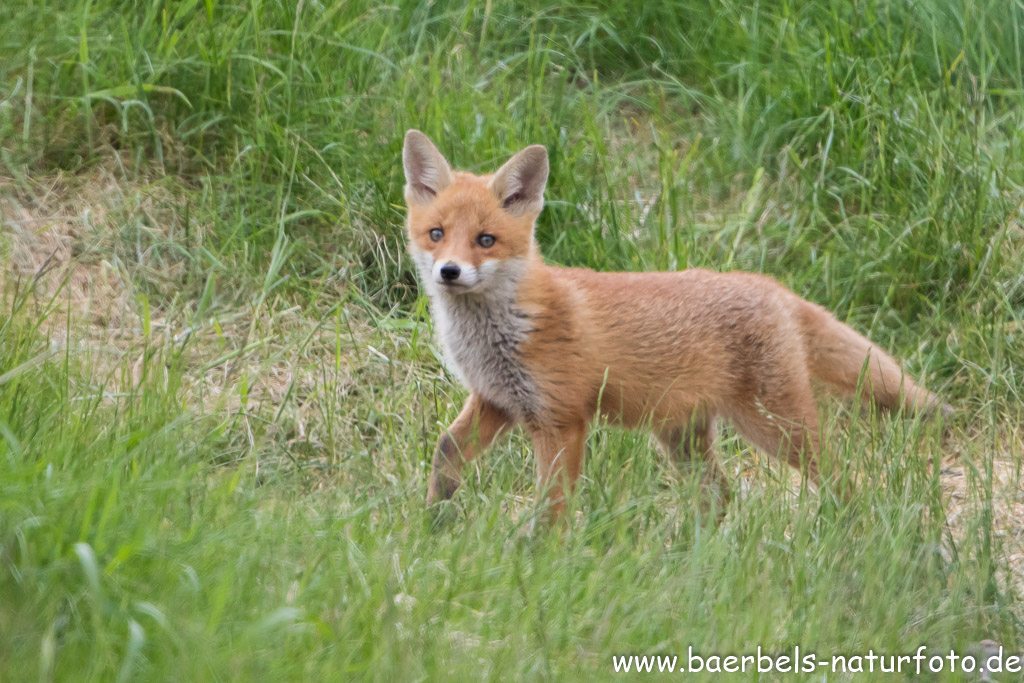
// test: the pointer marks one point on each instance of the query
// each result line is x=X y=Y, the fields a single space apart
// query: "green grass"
x=219 y=400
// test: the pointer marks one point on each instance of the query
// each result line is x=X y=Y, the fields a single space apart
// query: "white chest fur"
x=482 y=332
x=481 y=336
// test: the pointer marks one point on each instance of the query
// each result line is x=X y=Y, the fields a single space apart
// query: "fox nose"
x=450 y=272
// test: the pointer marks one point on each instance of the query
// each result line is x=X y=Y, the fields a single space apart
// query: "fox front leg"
x=470 y=434
x=559 y=454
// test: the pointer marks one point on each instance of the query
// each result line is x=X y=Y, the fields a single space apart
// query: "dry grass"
x=58 y=236
x=966 y=484
x=64 y=241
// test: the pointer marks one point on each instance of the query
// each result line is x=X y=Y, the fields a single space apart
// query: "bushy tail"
x=837 y=355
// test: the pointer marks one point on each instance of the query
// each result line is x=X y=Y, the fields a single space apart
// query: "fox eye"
x=436 y=234
x=485 y=241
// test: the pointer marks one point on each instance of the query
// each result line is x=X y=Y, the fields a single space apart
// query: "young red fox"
x=550 y=347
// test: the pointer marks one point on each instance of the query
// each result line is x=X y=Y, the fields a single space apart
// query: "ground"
x=219 y=391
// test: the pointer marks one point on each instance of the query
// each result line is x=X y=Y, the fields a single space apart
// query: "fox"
x=551 y=348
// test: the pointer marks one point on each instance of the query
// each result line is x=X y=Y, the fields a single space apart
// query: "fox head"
x=469 y=233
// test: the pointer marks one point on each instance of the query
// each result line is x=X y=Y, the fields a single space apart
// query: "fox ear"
x=519 y=184
x=426 y=170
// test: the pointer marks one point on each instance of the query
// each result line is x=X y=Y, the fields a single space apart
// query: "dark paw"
x=442 y=515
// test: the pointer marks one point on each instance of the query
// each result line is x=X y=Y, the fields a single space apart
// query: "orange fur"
x=550 y=348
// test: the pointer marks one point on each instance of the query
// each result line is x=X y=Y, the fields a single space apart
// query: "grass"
x=219 y=394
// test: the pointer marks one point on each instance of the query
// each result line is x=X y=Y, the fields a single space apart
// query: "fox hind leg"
x=692 y=447
x=784 y=423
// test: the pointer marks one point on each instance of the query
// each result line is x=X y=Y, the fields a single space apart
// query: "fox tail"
x=840 y=357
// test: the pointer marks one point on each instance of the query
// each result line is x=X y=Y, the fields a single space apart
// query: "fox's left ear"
x=519 y=184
